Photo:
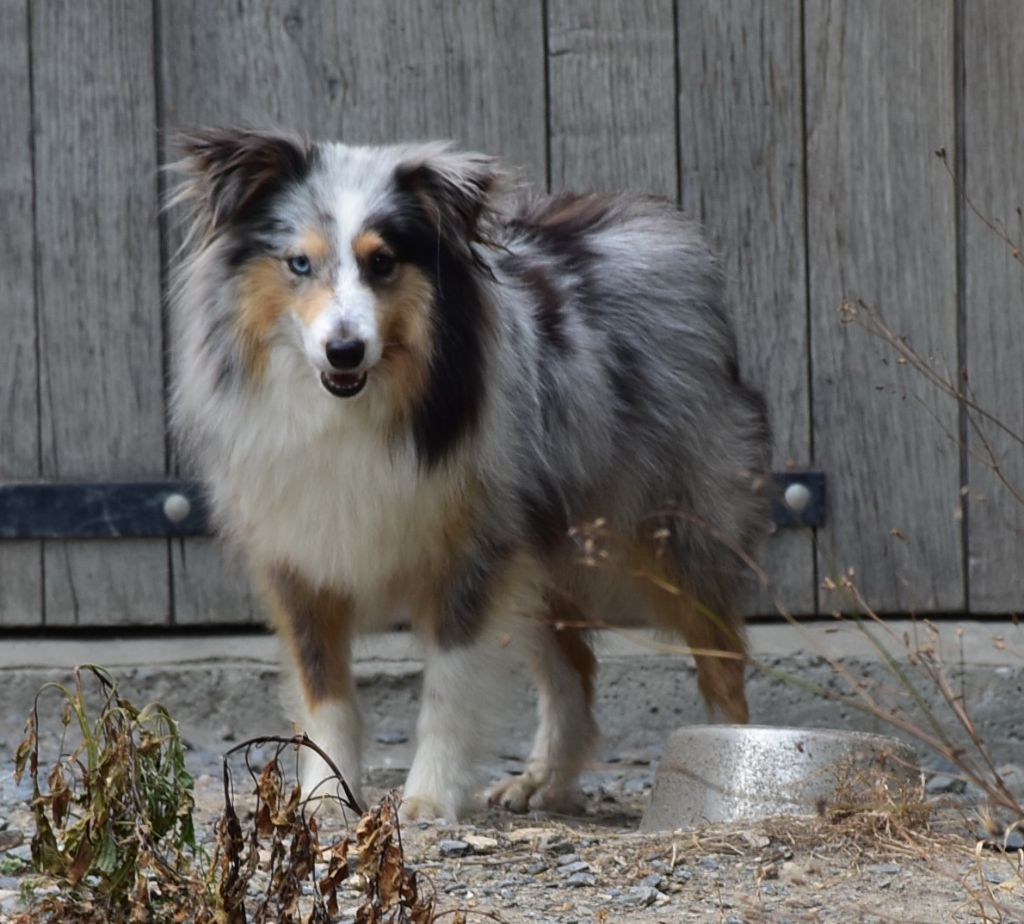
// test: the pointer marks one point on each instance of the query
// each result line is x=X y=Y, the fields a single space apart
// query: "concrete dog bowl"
x=714 y=773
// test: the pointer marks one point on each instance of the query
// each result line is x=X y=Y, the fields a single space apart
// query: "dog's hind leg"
x=316 y=626
x=563 y=666
x=711 y=629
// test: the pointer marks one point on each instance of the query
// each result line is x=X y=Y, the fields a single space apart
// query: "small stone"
x=559 y=846
x=570 y=869
x=480 y=843
x=577 y=880
x=450 y=847
x=535 y=869
x=568 y=858
x=884 y=869
x=10 y=837
x=644 y=895
x=707 y=863
x=654 y=881
x=682 y=873
x=22 y=852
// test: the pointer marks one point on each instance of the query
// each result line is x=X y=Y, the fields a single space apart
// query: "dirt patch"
x=594 y=867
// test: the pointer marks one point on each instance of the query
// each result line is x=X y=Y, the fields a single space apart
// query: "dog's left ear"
x=458 y=190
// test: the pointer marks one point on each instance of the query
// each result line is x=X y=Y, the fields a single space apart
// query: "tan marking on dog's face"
x=404 y=321
x=367 y=244
x=312 y=300
x=266 y=291
x=314 y=245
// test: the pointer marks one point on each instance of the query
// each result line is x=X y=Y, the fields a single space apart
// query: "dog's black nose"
x=345 y=354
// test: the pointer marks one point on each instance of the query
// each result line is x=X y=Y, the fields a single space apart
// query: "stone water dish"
x=713 y=773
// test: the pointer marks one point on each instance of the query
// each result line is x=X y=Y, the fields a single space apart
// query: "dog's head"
x=364 y=256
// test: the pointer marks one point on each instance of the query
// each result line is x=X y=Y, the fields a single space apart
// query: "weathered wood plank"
x=611 y=79
x=21 y=587
x=879 y=89
x=362 y=72
x=101 y=363
x=365 y=73
x=741 y=150
x=994 y=137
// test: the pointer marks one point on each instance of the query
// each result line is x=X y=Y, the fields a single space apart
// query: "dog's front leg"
x=316 y=626
x=474 y=646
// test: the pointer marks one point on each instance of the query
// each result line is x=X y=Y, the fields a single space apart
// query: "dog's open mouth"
x=343 y=384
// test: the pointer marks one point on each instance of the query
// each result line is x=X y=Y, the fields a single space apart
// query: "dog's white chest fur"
x=312 y=483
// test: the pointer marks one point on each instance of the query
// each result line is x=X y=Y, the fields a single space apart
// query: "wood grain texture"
x=363 y=73
x=21 y=588
x=741 y=151
x=881 y=227
x=611 y=98
x=99 y=291
x=994 y=135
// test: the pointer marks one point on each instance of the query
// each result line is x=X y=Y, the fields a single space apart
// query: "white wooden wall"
x=802 y=132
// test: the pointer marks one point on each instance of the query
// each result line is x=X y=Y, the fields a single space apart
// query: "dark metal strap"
x=46 y=510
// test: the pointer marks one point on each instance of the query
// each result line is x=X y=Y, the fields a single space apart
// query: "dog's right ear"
x=227 y=170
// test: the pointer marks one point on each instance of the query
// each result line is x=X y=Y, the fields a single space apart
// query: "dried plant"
x=114 y=830
x=113 y=814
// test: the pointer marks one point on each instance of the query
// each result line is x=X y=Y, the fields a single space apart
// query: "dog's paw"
x=533 y=790
x=423 y=808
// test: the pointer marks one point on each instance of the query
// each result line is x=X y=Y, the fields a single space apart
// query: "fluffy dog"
x=410 y=389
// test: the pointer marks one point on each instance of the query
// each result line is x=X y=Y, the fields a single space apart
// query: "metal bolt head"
x=176 y=507
x=797 y=496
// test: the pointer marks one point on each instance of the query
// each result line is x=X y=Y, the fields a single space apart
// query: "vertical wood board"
x=100 y=343
x=881 y=228
x=994 y=137
x=611 y=96
x=21 y=592
x=741 y=151
x=363 y=73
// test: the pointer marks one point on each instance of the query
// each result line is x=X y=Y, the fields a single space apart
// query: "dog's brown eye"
x=382 y=264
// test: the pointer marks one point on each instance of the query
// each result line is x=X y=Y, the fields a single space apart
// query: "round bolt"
x=176 y=507
x=797 y=496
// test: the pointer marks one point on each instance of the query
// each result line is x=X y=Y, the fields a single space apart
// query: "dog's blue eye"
x=300 y=265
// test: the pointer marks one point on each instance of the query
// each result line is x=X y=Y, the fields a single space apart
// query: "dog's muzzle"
x=345 y=357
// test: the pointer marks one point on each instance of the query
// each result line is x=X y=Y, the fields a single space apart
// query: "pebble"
x=884 y=869
x=578 y=866
x=481 y=843
x=21 y=852
x=644 y=895
x=568 y=858
x=654 y=881
x=708 y=863
x=581 y=879
x=452 y=848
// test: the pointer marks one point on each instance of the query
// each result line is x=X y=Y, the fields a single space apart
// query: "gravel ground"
x=593 y=867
